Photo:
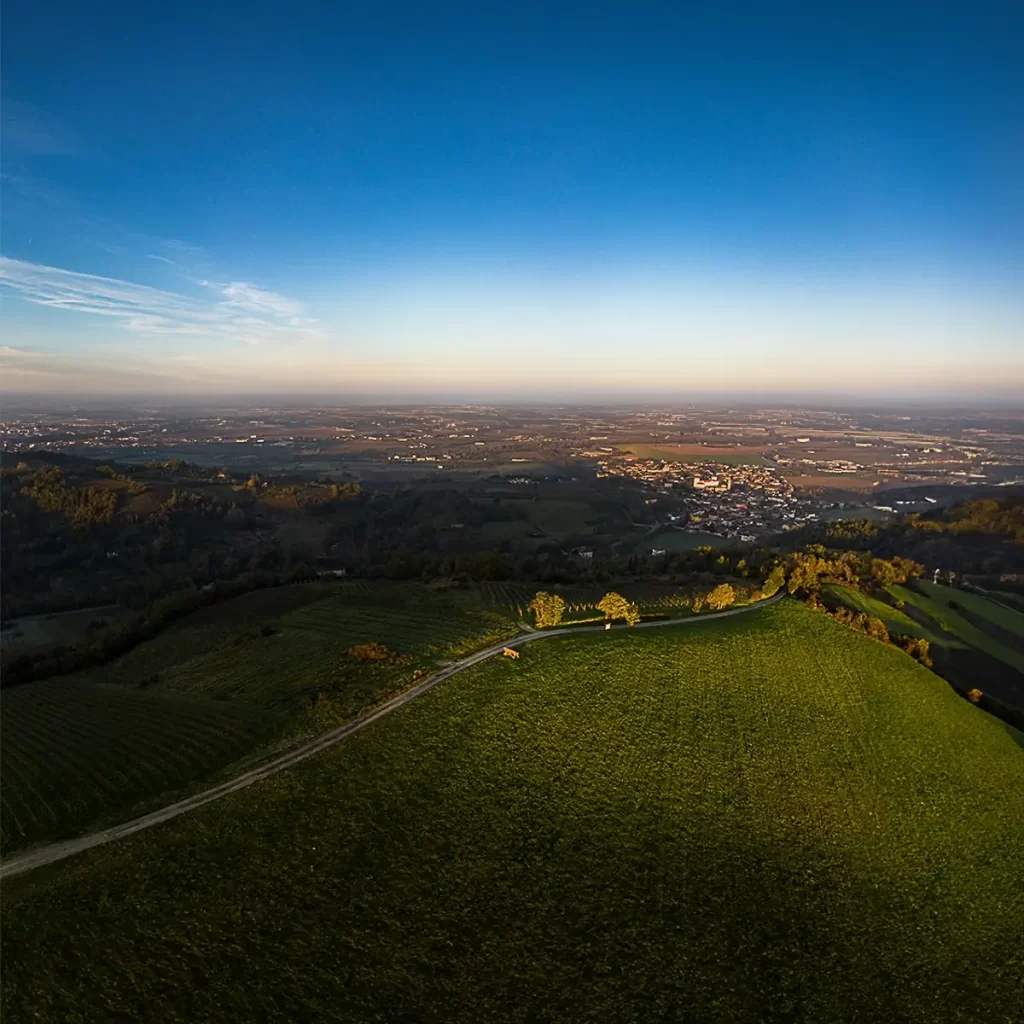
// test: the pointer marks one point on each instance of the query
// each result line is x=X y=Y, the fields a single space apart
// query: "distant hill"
x=771 y=817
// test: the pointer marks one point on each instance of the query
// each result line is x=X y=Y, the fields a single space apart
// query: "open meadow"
x=770 y=817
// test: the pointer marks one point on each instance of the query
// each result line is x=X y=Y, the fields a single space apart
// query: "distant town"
x=728 y=472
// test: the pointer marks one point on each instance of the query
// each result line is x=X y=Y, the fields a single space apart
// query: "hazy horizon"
x=624 y=203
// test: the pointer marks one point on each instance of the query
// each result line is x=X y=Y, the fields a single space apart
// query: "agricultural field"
x=31 y=632
x=769 y=817
x=970 y=619
x=839 y=482
x=558 y=518
x=71 y=751
x=516 y=530
x=267 y=666
x=695 y=453
x=896 y=620
x=989 y=607
x=681 y=540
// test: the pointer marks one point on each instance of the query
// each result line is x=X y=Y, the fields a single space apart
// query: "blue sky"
x=533 y=199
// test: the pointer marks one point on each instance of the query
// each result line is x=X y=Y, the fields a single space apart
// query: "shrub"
x=373 y=651
x=875 y=628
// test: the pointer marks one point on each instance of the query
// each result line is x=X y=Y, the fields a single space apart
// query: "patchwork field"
x=732 y=456
x=819 y=482
x=218 y=687
x=895 y=619
x=769 y=817
x=970 y=619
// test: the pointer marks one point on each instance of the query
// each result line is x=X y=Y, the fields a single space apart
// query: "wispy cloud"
x=235 y=311
x=246 y=297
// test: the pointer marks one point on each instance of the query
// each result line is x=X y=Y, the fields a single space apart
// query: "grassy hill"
x=770 y=817
x=977 y=640
x=214 y=690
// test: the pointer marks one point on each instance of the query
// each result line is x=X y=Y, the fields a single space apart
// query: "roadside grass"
x=934 y=600
x=769 y=817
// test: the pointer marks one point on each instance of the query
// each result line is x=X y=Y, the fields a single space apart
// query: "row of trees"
x=805 y=571
x=548 y=609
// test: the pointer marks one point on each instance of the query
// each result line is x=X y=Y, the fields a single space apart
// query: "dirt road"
x=30 y=859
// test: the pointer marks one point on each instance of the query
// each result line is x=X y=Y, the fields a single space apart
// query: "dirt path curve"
x=30 y=859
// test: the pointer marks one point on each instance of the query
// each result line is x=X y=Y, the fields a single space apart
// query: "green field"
x=763 y=818
x=72 y=751
x=681 y=540
x=556 y=517
x=896 y=620
x=32 y=632
x=999 y=614
x=517 y=530
x=213 y=689
x=934 y=601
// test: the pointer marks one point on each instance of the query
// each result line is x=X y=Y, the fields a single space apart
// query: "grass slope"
x=765 y=818
x=896 y=621
x=215 y=690
x=936 y=602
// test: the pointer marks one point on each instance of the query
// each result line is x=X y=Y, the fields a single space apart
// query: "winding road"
x=38 y=857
